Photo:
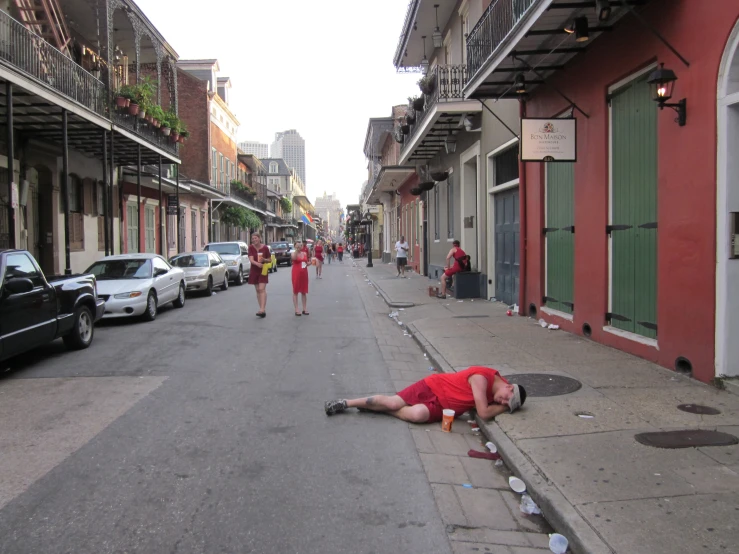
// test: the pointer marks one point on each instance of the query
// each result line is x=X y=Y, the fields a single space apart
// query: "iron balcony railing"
x=257 y=203
x=500 y=18
x=144 y=130
x=27 y=52
x=448 y=83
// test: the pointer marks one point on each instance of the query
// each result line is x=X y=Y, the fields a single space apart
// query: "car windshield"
x=229 y=249
x=190 y=260
x=275 y=245
x=108 y=270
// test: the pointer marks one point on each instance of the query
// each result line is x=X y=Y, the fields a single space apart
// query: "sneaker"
x=334 y=406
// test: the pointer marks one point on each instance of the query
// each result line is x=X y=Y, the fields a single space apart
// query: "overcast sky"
x=322 y=67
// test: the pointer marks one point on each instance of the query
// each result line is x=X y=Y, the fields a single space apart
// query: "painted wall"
x=686 y=178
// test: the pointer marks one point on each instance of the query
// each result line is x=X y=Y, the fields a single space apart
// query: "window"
x=171 y=231
x=273 y=167
x=505 y=166
x=99 y=207
x=450 y=207
x=436 y=213
x=203 y=234
x=221 y=166
x=194 y=232
x=214 y=170
x=132 y=228
x=150 y=228
x=21 y=266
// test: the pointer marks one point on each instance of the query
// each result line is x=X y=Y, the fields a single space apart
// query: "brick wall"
x=194 y=111
x=223 y=143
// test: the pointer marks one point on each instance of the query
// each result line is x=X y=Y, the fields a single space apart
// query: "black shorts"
x=401 y=261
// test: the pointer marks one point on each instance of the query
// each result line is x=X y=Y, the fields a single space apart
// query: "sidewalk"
x=594 y=482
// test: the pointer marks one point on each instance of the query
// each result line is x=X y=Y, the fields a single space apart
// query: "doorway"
x=469 y=162
x=44 y=212
x=507 y=252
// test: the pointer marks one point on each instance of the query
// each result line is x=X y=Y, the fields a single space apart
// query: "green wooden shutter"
x=560 y=236
x=634 y=210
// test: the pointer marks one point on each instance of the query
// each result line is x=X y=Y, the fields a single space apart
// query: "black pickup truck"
x=34 y=310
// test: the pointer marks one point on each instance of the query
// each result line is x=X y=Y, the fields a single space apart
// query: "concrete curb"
x=387 y=299
x=557 y=510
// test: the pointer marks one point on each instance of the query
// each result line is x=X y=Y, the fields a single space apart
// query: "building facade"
x=258 y=149
x=290 y=146
x=328 y=207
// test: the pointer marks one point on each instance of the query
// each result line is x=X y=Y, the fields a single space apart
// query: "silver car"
x=236 y=256
x=203 y=271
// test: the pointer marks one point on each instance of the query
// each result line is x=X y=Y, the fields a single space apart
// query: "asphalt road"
x=204 y=432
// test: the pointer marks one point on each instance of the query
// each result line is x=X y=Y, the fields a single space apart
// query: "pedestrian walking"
x=401 y=256
x=300 y=277
x=259 y=256
x=318 y=253
x=457 y=260
x=478 y=387
x=330 y=253
x=340 y=252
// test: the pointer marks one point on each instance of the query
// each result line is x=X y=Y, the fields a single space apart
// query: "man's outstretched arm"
x=484 y=410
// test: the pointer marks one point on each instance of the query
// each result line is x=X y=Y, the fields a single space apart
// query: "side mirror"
x=18 y=285
x=160 y=272
x=214 y=263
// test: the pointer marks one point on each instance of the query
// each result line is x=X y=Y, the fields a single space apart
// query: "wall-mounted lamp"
x=424 y=61
x=520 y=84
x=580 y=28
x=603 y=10
x=436 y=36
x=662 y=82
x=450 y=144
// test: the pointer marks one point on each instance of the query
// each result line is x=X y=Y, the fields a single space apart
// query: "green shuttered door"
x=560 y=237
x=634 y=210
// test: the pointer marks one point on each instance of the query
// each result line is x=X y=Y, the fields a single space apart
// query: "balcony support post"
x=11 y=164
x=138 y=194
x=65 y=191
x=106 y=211
x=210 y=221
x=110 y=199
x=179 y=210
x=161 y=211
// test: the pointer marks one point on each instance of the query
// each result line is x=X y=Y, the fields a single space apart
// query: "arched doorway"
x=727 y=215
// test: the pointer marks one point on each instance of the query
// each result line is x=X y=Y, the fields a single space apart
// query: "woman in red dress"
x=318 y=251
x=255 y=273
x=300 y=276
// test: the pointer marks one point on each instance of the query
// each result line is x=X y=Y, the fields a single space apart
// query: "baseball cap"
x=518 y=398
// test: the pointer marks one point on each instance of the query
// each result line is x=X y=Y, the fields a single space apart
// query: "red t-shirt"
x=340 y=249
x=454 y=391
x=254 y=253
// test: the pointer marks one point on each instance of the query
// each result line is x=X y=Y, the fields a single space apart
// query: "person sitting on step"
x=461 y=263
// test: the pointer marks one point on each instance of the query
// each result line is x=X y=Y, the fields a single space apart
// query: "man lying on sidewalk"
x=476 y=387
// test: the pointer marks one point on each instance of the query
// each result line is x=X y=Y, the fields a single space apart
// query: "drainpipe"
x=522 y=217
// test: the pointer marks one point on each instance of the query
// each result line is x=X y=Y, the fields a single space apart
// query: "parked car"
x=236 y=256
x=203 y=271
x=282 y=252
x=35 y=310
x=137 y=284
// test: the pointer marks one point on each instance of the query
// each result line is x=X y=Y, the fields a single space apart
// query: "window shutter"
x=101 y=233
x=87 y=196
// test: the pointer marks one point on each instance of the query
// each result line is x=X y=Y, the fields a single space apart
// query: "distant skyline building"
x=258 y=149
x=290 y=146
x=329 y=208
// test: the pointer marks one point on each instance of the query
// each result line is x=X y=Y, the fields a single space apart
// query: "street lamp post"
x=369 y=240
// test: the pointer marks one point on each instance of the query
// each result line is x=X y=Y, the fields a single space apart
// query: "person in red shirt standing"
x=340 y=252
x=459 y=264
x=318 y=251
x=478 y=387
x=258 y=254
x=300 y=276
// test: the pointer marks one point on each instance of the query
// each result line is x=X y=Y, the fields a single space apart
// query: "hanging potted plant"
x=427 y=84
x=416 y=191
x=428 y=185
x=439 y=175
x=416 y=102
x=405 y=129
x=410 y=117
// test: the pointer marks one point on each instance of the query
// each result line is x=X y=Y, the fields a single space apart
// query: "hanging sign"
x=171 y=204
x=549 y=139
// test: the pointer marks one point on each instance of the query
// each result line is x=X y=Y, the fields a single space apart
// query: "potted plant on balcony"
x=166 y=121
x=416 y=102
x=157 y=115
x=427 y=84
x=410 y=117
x=123 y=96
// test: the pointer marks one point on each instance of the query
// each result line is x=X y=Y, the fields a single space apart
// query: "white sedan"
x=137 y=284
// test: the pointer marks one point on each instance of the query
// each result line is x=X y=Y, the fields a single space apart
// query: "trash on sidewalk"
x=401 y=309
x=491 y=447
x=517 y=485
x=553 y=327
x=433 y=291
x=585 y=415
x=400 y=323
x=483 y=455
x=509 y=312
x=558 y=543
x=499 y=463
x=460 y=300
x=466 y=485
x=543 y=323
x=432 y=368
x=475 y=429
x=528 y=506
x=514 y=307
x=393 y=314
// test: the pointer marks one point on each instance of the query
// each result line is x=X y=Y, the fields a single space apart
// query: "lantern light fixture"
x=580 y=28
x=424 y=61
x=520 y=84
x=603 y=10
x=662 y=83
x=450 y=144
x=436 y=36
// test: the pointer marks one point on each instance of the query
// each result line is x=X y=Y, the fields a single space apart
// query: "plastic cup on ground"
x=517 y=485
x=491 y=447
x=558 y=543
x=447 y=420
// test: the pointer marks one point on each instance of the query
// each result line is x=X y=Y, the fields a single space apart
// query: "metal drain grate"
x=692 y=438
x=545 y=384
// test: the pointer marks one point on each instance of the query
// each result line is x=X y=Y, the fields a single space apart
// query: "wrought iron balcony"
x=30 y=54
x=144 y=130
x=500 y=18
x=448 y=82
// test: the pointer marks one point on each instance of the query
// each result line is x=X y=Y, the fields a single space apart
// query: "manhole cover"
x=698 y=409
x=545 y=384
x=686 y=439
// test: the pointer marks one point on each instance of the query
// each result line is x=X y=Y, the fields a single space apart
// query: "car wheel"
x=240 y=277
x=224 y=286
x=209 y=288
x=151 y=307
x=83 y=329
x=180 y=300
